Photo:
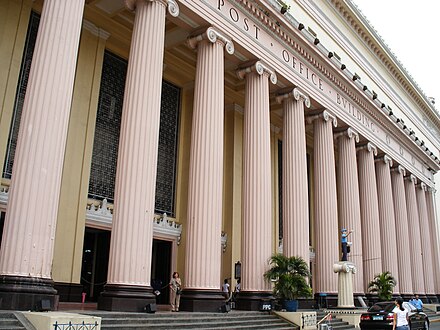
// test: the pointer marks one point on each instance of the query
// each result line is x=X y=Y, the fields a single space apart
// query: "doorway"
x=161 y=270
x=95 y=262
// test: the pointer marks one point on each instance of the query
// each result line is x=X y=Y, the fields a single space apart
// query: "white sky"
x=410 y=28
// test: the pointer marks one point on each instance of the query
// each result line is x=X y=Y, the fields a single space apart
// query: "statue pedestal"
x=345 y=270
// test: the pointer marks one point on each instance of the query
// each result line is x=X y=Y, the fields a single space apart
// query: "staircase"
x=183 y=320
x=8 y=321
x=335 y=322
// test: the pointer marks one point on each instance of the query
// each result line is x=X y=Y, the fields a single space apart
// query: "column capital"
x=431 y=190
x=349 y=132
x=399 y=169
x=259 y=68
x=386 y=159
x=423 y=186
x=370 y=147
x=297 y=94
x=326 y=116
x=213 y=36
x=411 y=178
x=173 y=7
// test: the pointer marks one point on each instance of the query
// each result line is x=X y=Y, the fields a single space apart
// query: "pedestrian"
x=417 y=302
x=175 y=291
x=238 y=286
x=225 y=289
x=400 y=317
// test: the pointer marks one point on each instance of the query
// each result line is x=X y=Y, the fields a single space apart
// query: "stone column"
x=29 y=232
x=348 y=201
x=295 y=185
x=416 y=263
x=203 y=249
x=325 y=205
x=345 y=270
x=257 y=198
x=430 y=194
x=386 y=218
x=425 y=240
x=402 y=233
x=371 y=245
x=128 y=282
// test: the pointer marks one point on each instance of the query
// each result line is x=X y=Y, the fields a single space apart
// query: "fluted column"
x=28 y=237
x=402 y=232
x=132 y=232
x=434 y=238
x=371 y=245
x=414 y=236
x=203 y=246
x=425 y=240
x=325 y=206
x=348 y=201
x=295 y=185
x=257 y=207
x=386 y=218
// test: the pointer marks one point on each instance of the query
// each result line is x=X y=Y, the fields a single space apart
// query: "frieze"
x=290 y=56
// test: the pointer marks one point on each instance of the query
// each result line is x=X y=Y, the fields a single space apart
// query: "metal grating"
x=28 y=52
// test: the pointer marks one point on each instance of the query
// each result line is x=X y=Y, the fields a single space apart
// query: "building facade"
x=142 y=137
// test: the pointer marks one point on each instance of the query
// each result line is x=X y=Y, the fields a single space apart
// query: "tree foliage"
x=290 y=276
x=383 y=284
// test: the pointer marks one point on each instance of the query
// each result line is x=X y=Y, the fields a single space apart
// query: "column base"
x=201 y=301
x=27 y=293
x=126 y=298
x=69 y=292
x=251 y=300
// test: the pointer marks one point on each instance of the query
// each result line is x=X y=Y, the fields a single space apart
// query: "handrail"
x=325 y=317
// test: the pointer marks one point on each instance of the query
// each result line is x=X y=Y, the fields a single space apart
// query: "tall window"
x=28 y=52
x=106 y=142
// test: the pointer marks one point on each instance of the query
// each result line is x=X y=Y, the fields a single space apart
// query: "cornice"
x=361 y=26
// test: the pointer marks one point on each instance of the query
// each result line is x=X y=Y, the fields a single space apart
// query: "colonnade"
x=376 y=200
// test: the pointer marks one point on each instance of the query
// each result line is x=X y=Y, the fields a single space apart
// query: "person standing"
x=400 y=319
x=175 y=291
x=225 y=288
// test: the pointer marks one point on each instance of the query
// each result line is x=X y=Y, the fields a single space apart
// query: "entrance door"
x=2 y=223
x=95 y=262
x=161 y=270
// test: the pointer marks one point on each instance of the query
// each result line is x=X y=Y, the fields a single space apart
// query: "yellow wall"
x=14 y=20
x=77 y=162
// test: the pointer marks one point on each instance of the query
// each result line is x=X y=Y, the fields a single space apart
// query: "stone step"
x=274 y=325
x=8 y=321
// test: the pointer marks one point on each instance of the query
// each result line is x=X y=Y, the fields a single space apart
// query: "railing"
x=76 y=326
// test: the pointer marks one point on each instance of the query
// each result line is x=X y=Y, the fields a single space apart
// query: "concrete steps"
x=8 y=321
x=183 y=320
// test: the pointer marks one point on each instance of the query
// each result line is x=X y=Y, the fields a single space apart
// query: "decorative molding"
x=297 y=94
x=4 y=191
x=224 y=241
x=325 y=115
x=173 y=7
x=165 y=226
x=350 y=133
x=259 y=68
x=213 y=36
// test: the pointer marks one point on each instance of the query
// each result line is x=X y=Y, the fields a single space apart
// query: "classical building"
x=143 y=137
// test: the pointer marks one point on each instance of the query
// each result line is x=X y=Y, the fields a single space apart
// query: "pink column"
x=203 y=246
x=416 y=263
x=371 y=245
x=295 y=185
x=128 y=282
x=430 y=194
x=402 y=233
x=28 y=237
x=348 y=201
x=425 y=240
x=386 y=218
x=257 y=206
x=325 y=205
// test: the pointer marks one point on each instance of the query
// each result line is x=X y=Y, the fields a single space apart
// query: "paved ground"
x=435 y=325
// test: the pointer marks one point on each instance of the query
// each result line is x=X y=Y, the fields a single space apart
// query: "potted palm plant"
x=383 y=284
x=290 y=275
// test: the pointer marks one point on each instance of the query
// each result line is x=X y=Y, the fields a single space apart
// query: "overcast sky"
x=411 y=31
